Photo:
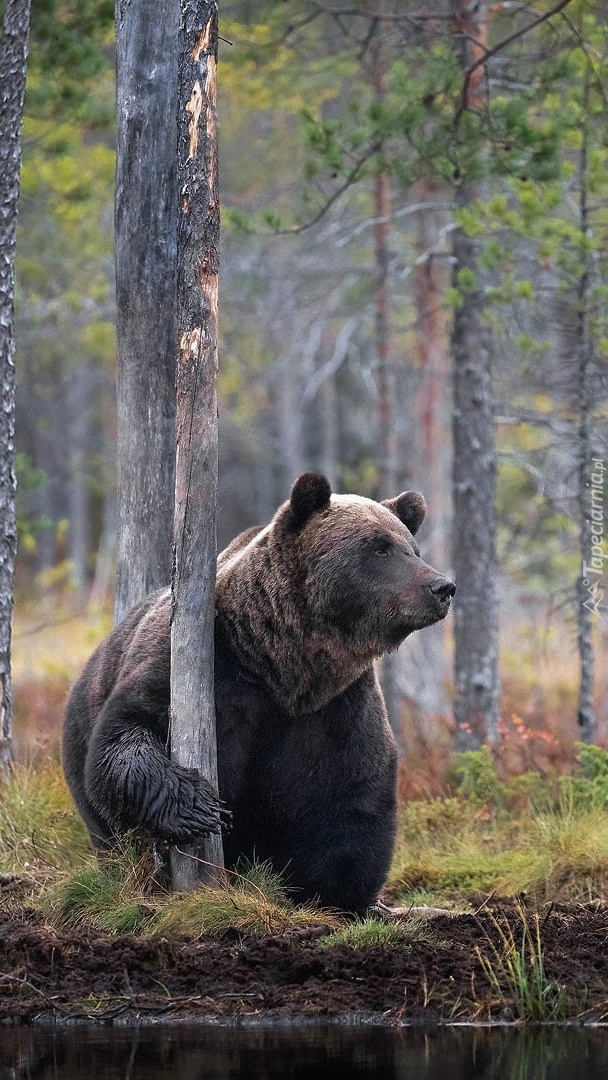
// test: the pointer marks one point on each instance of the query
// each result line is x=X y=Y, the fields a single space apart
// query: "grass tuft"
x=366 y=934
x=40 y=832
x=113 y=896
x=516 y=972
x=252 y=902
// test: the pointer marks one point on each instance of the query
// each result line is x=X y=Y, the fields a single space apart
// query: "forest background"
x=348 y=164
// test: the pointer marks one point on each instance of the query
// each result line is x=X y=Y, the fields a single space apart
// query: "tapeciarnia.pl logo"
x=593 y=570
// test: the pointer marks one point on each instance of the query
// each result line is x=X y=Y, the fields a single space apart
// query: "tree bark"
x=78 y=500
x=384 y=369
x=146 y=233
x=13 y=65
x=428 y=662
x=591 y=485
x=193 y=741
x=474 y=463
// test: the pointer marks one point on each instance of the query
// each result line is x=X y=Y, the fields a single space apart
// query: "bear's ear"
x=410 y=508
x=310 y=493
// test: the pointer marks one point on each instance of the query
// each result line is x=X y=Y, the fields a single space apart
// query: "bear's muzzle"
x=442 y=591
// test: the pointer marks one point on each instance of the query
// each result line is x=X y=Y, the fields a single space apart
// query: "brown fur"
x=306 y=758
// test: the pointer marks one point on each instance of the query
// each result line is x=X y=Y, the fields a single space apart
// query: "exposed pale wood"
x=193 y=742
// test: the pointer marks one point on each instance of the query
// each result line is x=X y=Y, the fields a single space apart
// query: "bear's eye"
x=381 y=548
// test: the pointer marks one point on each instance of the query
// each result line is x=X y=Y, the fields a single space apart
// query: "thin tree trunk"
x=385 y=380
x=103 y=580
x=385 y=372
x=328 y=406
x=289 y=417
x=78 y=500
x=146 y=231
x=432 y=411
x=590 y=475
x=193 y=741
x=13 y=64
x=474 y=464
x=432 y=404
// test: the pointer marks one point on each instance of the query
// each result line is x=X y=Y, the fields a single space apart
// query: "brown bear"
x=306 y=758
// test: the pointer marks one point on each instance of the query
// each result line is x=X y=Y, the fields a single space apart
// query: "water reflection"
x=324 y=1052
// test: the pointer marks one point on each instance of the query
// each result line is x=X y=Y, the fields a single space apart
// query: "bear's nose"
x=442 y=589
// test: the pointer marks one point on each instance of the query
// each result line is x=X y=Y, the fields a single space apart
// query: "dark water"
x=323 y=1052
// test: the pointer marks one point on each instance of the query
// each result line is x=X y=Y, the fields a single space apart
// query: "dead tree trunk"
x=146 y=231
x=474 y=463
x=13 y=63
x=193 y=743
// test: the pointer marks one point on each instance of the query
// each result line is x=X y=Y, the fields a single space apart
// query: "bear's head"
x=331 y=584
x=362 y=570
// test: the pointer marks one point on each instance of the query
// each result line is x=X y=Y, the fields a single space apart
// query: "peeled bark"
x=146 y=230
x=193 y=740
x=13 y=64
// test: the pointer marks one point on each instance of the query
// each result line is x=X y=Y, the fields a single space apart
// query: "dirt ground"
x=83 y=974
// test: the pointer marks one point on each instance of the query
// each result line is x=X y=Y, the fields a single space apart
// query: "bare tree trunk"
x=78 y=501
x=590 y=474
x=103 y=579
x=474 y=465
x=13 y=63
x=328 y=405
x=289 y=416
x=385 y=372
x=427 y=656
x=146 y=231
x=193 y=740
x=432 y=403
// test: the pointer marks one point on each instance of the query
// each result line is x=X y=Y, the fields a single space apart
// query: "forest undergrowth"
x=527 y=819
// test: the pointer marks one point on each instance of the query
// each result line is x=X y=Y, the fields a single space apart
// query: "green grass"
x=516 y=972
x=40 y=832
x=114 y=897
x=250 y=903
x=366 y=934
x=44 y=842
x=450 y=853
x=552 y=842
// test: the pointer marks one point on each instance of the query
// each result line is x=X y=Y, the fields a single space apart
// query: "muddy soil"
x=82 y=974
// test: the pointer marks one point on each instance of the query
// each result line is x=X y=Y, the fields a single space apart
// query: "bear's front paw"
x=192 y=810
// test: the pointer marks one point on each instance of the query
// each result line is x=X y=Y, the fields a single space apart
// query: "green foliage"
x=424 y=133
x=535 y=833
x=476 y=777
x=29 y=478
x=70 y=60
x=588 y=788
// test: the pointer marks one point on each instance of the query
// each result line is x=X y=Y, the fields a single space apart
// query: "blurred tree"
x=589 y=100
x=13 y=64
x=64 y=299
x=585 y=357
x=474 y=452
